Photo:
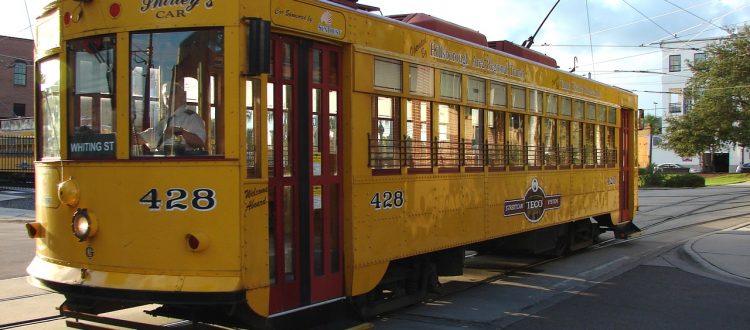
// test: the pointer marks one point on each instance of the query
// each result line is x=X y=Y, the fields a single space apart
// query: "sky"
x=604 y=35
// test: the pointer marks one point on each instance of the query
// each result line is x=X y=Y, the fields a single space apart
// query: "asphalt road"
x=16 y=250
x=649 y=297
x=648 y=283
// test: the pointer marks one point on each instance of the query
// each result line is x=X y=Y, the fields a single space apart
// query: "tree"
x=720 y=91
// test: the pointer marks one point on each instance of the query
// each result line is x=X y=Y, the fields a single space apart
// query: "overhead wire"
x=591 y=43
x=691 y=13
x=650 y=20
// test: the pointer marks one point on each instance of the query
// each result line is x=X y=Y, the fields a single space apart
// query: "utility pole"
x=651 y=138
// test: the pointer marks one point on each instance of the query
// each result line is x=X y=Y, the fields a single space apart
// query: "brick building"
x=16 y=77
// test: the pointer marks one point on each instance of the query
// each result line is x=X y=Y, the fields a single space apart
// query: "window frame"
x=674 y=63
x=20 y=70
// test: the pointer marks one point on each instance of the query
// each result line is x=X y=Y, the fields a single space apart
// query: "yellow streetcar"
x=17 y=149
x=264 y=157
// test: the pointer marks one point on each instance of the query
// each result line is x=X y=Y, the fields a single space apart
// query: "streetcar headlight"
x=69 y=193
x=84 y=225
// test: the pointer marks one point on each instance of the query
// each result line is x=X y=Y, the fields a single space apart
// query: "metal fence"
x=17 y=157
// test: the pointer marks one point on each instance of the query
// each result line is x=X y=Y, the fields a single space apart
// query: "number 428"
x=390 y=199
x=177 y=199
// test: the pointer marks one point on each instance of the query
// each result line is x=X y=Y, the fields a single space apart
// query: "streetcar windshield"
x=91 y=102
x=176 y=99
x=49 y=108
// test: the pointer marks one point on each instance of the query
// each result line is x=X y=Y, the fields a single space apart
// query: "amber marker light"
x=35 y=230
x=197 y=242
x=84 y=225
x=68 y=193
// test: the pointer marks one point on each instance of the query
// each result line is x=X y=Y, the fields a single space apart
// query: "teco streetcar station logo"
x=534 y=203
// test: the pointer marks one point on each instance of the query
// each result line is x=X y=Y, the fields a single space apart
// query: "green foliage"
x=720 y=90
x=649 y=177
x=684 y=180
x=654 y=122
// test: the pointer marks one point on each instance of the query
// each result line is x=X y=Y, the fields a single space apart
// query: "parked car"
x=671 y=168
x=743 y=168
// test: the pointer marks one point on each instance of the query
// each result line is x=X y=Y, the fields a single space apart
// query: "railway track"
x=730 y=201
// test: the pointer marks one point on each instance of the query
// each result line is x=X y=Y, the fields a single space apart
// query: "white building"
x=676 y=55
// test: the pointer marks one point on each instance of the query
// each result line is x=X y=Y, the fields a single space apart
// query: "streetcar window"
x=473 y=142
x=177 y=94
x=448 y=135
x=496 y=138
x=611 y=156
x=575 y=142
x=588 y=144
x=515 y=139
x=518 y=97
x=563 y=142
x=590 y=111
x=387 y=74
x=537 y=100
x=552 y=104
x=421 y=80
x=476 y=90
x=601 y=113
x=49 y=105
x=385 y=132
x=317 y=66
x=498 y=94
x=91 y=119
x=418 y=134
x=578 y=110
x=549 y=141
x=612 y=116
x=599 y=144
x=450 y=85
x=533 y=141
x=566 y=107
x=252 y=100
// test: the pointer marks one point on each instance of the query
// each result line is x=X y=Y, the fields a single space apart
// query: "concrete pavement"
x=725 y=252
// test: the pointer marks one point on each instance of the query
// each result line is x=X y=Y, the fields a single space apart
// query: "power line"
x=591 y=47
x=691 y=13
x=652 y=21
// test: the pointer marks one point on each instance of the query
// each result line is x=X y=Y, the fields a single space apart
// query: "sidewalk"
x=725 y=252
x=19 y=215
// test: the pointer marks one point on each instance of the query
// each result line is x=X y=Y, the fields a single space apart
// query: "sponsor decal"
x=533 y=204
x=326 y=25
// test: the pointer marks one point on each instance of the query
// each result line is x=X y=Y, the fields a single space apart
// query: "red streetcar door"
x=304 y=164
x=325 y=173
x=625 y=168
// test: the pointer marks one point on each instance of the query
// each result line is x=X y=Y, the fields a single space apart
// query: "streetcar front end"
x=137 y=173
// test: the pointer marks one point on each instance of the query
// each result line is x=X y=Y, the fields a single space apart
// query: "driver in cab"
x=182 y=131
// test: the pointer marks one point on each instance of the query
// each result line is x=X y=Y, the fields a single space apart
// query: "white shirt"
x=184 y=118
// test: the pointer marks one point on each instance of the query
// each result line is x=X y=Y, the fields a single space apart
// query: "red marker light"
x=114 y=10
x=193 y=242
x=67 y=18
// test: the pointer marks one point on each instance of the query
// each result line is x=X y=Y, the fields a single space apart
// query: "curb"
x=695 y=256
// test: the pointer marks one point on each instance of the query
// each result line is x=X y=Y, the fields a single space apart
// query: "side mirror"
x=258 y=46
